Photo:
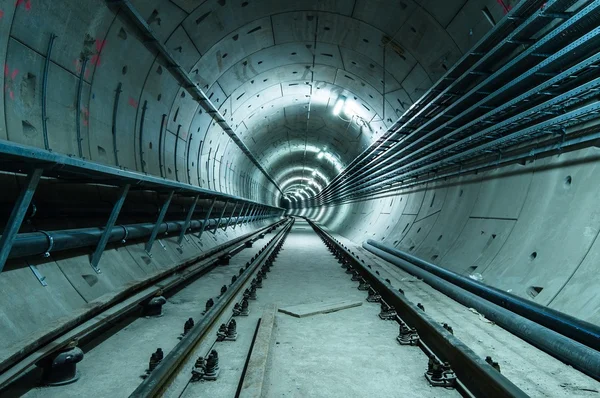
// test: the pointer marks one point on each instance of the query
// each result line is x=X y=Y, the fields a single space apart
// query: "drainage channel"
x=119 y=342
x=451 y=363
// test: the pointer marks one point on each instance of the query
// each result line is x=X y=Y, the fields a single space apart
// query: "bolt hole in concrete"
x=439 y=238
x=533 y=291
x=124 y=70
x=568 y=181
x=533 y=255
x=159 y=97
x=28 y=129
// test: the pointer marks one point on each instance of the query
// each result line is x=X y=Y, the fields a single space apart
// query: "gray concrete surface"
x=535 y=372
x=349 y=353
x=113 y=365
x=521 y=227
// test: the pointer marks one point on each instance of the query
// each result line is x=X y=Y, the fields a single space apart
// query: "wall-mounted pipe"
x=578 y=355
x=37 y=243
x=576 y=329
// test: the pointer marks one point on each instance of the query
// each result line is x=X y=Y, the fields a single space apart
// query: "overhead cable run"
x=538 y=52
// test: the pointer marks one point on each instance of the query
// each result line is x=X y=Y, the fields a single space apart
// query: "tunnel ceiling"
x=277 y=68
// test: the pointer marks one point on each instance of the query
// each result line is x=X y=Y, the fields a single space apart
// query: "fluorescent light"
x=339 y=105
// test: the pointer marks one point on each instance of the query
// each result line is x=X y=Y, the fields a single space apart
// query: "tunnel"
x=441 y=155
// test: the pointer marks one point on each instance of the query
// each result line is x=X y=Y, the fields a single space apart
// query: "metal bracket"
x=161 y=217
x=108 y=228
x=230 y=217
x=210 y=209
x=50 y=244
x=38 y=275
x=17 y=214
x=220 y=218
x=238 y=216
x=188 y=219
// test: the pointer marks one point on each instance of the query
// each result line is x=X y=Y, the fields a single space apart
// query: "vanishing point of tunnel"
x=300 y=198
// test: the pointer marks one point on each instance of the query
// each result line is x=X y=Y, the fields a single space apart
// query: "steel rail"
x=83 y=326
x=573 y=353
x=157 y=381
x=476 y=375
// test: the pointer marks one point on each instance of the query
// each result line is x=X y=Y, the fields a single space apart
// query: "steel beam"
x=161 y=216
x=220 y=217
x=18 y=213
x=206 y=217
x=238 y=216
x=186 y=224
x=249 y=214
x=108 y=228
x=230 y=217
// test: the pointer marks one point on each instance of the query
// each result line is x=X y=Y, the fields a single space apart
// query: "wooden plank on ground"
x=302 y=310
x=257 y=364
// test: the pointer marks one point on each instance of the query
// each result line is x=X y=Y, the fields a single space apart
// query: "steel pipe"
x=576 y=329
x=578 y=355
x=37 y=243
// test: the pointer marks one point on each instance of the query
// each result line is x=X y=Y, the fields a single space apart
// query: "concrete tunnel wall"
x=530 y=229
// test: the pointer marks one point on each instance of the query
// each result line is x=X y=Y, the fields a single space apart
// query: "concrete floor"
x=535 y=372
x=350 y=353
x=114 y=367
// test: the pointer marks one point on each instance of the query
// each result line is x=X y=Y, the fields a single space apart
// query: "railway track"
x=236 y=330
x=151 y=312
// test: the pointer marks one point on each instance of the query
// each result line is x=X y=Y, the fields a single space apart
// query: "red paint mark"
x=26 y=3
x=133 y=102
x=1 y=13
x=505 y=7
x=95 y=60
x=10 y=77
x=86 y=116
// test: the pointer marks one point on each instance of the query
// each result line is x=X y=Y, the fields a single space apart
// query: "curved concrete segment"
x=247 y=97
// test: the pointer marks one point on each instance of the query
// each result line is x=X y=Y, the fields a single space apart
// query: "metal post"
x=246 y=214
x=255 y=215
x=220 y=218
x=230 y=217
x=18 y=213
x=249 y=216
x=188 y=219
x=238 y=216
x=108 y=228
x=210 y=209
x=161 y=216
